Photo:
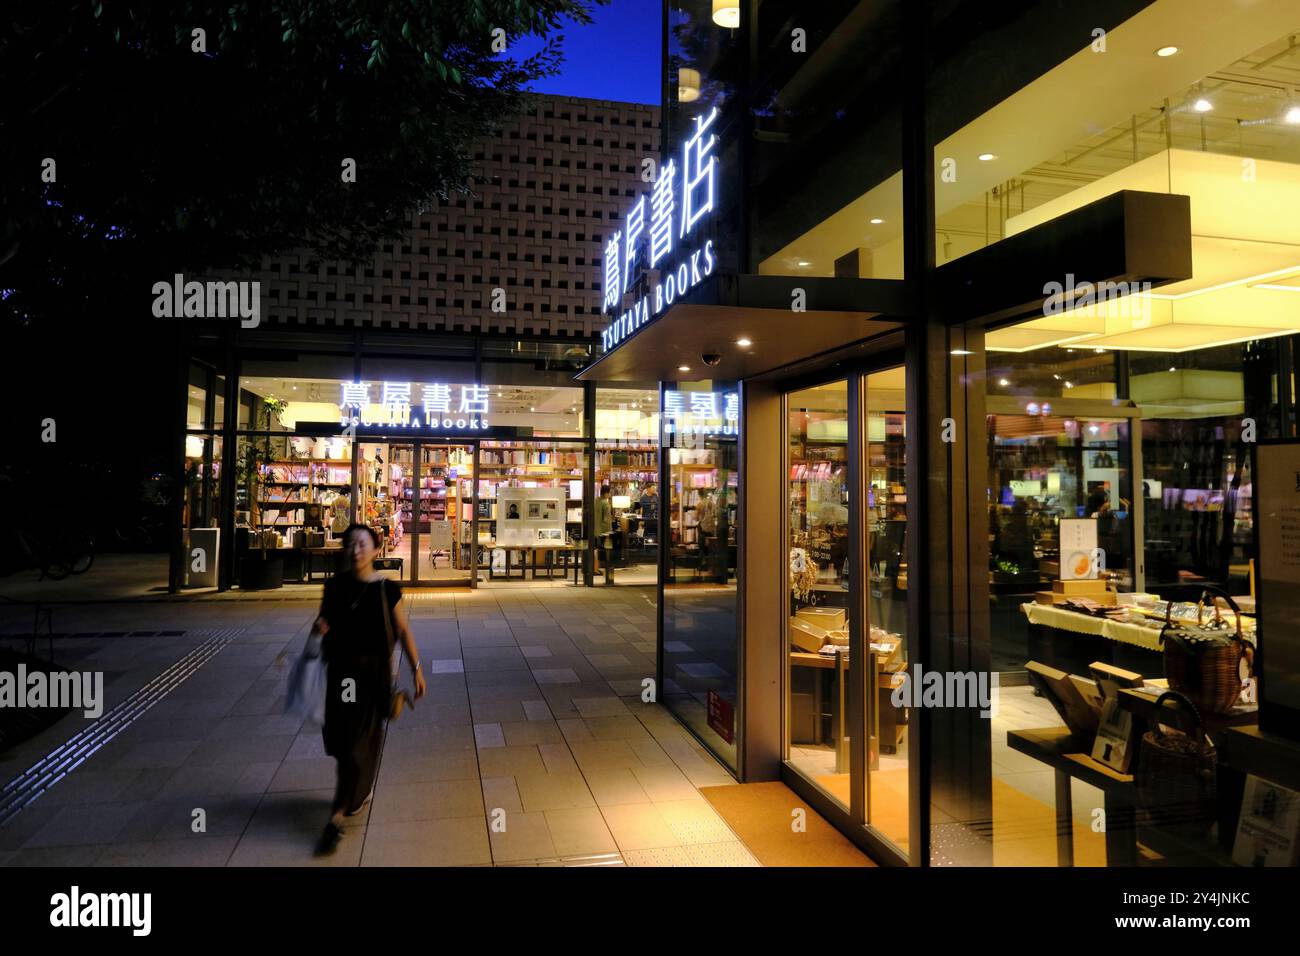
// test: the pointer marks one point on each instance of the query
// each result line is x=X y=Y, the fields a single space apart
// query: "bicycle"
x=71 y=553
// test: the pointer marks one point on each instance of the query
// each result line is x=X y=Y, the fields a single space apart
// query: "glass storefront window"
x=627 y=462
x=699 y=428
x=827 y=111
x=819 y=488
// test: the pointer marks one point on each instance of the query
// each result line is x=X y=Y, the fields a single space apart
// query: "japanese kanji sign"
x=681 y=198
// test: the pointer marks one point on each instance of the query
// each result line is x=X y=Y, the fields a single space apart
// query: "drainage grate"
x=20 y=792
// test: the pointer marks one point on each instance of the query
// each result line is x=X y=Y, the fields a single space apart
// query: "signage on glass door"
x=701 y=413
x=659 y=233
x=397 y=405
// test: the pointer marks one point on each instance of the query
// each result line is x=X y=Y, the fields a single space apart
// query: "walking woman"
x=361 y=618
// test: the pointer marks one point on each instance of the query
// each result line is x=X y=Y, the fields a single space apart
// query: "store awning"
x=726 y=309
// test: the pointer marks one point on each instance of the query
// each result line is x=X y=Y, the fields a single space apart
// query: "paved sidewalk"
x=533 y=716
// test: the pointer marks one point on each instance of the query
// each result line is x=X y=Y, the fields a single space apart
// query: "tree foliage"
x=170 y=157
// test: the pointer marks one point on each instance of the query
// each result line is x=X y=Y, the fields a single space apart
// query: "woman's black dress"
x=357 y=647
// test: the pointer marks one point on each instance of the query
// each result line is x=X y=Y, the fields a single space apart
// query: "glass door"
x=446 y=527
x=847 y=618
x=821 y=673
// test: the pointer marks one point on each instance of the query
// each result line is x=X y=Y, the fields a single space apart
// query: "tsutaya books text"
x=655 y=230
x=395 y=408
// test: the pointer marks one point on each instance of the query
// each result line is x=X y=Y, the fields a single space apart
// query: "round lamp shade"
x=726 y=13
x=688 y=85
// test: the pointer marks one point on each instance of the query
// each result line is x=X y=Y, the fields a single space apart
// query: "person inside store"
x=649 y=504
x=361 y=620
x=1110 y=525
x=603 y=526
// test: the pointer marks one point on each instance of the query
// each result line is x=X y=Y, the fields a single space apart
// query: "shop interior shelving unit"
x=522 y=465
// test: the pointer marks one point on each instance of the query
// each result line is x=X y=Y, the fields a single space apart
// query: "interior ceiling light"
x=726 y=13
x=804 y=263
x=961 y=352
x=876 y=222
x=1202 y=105
x=683 y=368
x=986 y=157
x=744 y=343
x=1293 y=116
x=1167 y=51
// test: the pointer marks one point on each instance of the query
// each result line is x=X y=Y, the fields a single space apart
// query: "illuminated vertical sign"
x=697 y=180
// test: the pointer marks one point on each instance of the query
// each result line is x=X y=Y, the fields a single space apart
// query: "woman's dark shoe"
x=329 y=839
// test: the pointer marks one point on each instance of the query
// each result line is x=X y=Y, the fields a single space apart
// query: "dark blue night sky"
x=617 y=57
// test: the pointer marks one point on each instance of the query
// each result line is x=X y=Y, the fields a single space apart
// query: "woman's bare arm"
x=404 y=635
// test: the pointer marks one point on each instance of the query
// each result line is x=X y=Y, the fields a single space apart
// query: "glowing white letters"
x=613 y=274
x=395 y=410
x=698 y=166
x=703 y=418
x=635 y=222
x=698 y=176
x=661 y=214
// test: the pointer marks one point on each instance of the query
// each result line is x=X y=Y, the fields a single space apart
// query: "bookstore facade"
x=483 y=463
x=1013 y=361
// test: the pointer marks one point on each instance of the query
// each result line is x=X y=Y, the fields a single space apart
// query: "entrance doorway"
x=845 y=741
x=421 y=496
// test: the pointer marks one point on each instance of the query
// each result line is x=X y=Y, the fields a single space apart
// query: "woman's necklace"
x=360 y=595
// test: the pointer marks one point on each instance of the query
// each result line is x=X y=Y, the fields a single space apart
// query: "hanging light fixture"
x=726 y=13
x=688 y=84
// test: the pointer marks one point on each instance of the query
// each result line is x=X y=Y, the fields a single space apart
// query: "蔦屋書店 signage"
x=439 y=408
x=668 y=235
x=701 y=413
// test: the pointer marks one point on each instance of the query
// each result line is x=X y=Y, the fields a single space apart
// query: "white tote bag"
x=306 y=698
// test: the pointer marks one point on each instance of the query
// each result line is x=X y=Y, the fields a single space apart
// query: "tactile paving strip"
x=21 y=791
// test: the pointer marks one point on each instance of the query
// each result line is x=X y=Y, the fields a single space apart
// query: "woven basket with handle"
x=1203 y=661
x=1175 y=776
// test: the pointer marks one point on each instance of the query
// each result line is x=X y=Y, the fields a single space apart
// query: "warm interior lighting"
x=688 y=85
x=1167 y=51
x=621 y=502
x=726 y=13
x=876 y=222
x=683 y=368
x=744 y=343
x=1202 y=105
x=962 y=352
x=1293 y=115
x=985 y=157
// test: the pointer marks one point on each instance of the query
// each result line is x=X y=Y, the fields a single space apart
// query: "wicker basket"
x=1175 y=776
x=1209 y=676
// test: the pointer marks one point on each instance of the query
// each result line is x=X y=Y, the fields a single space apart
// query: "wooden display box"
x=1052 y=597
x=1079 y=588
x=827 y=618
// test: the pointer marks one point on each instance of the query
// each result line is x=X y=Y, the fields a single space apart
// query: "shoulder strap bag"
x=400 y=699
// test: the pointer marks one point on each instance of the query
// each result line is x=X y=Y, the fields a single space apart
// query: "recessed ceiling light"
x=1202 y=105
x=1293 y=115
x=683 y=368
x=1167 y=51
x=962 y=352
x=804 y=263
x=877 y=221
x=985 y=157
x=1003 y=382
x=1099 y=351
x=744 y=343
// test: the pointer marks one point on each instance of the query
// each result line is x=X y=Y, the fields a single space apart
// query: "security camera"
x=711 y=359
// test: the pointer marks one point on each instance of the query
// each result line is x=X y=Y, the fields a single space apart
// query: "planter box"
x=261 y=573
